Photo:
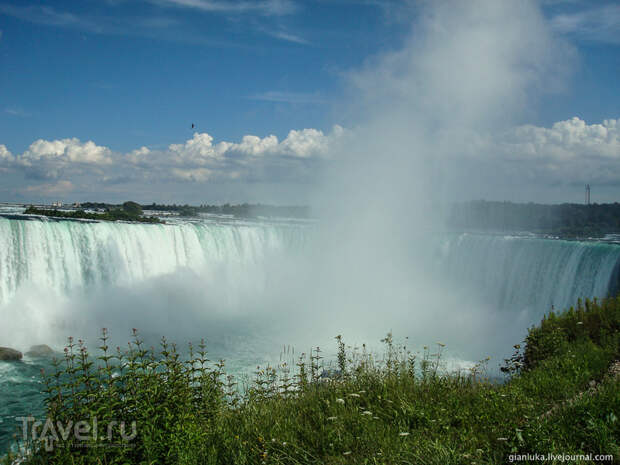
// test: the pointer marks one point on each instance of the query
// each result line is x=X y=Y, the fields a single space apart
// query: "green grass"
x=397 y=410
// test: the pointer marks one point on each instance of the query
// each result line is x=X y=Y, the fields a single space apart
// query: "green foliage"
x=116 y=214
x=132 y=208
x=402 y=408
x=590 y=320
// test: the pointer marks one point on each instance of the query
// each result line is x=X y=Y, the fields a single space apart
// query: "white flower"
x=347 y=453
x=366 y=412
x=403 y=433
x=340 y=401
x=331 y=418
x=354 y=395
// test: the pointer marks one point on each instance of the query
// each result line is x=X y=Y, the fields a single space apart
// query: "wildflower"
x=340 y=401
x=366 y=412
x=347 y=453
x=376 y=418
x=502 y=439
x=331 y=418
x=284 y=443
x=353 y=394
x=361 y=392
x=273 y=440
x=403 y=433
x=580 y=322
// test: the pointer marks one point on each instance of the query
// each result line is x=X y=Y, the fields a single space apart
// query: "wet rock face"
x=9 y=355
x=40 y=350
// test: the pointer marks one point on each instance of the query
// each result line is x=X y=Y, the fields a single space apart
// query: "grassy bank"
x=401 y=409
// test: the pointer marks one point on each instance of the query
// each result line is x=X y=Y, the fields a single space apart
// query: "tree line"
x=567 y=219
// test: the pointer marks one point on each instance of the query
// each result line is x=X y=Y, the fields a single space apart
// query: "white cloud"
x=197 y=160
x=567 y=140
x=289 y=97
x=5 y=155
x=67 y=150
x=566 y=152
x=57 y=188
x=138 y=155
x=255 y=146
x=569 y=152
x=306 y=143
x=287 y=36
x=601 y=23
x=16 y=111
x=193 y=175
x=199 y=150
x=266 y=7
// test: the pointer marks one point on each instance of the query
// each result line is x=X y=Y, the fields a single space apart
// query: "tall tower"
x=587 y=194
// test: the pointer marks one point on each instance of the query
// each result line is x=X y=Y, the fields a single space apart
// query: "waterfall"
x=65 y=255
x=528 y=273
x=509 y=273
x=221 y=278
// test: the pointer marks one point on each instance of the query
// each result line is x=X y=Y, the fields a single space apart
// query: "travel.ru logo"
x=84 y=433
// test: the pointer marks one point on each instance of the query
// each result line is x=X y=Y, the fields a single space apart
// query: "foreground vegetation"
x=129 y=211
x=401 y=408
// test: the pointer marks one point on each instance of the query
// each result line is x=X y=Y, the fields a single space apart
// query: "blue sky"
x=134 y=73
x=127 y=74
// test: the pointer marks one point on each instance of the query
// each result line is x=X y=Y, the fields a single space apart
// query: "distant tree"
x=186 y=210
x=132 y=208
